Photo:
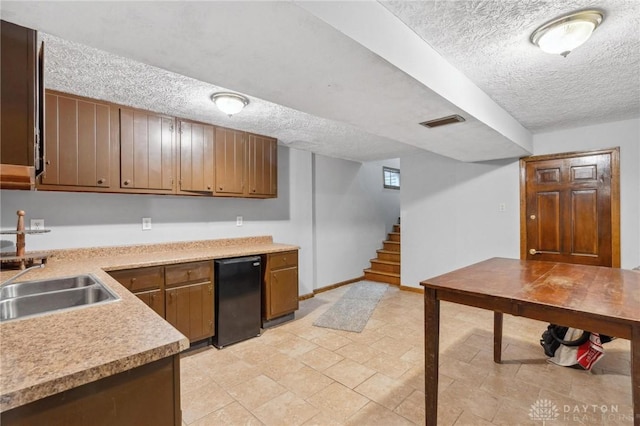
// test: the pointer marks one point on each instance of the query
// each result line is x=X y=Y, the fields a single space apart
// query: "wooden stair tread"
x=383 y=251
x=386 y=262
x=389 y=274
x=392 y=242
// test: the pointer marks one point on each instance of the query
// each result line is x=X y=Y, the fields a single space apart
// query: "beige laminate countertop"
x=47 y=354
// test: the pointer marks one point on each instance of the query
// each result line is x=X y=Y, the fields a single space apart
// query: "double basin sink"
x=31 y=298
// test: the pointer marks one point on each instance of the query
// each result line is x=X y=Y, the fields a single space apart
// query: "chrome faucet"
x=19 y=274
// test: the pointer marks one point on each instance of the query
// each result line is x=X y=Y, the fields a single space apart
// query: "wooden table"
x=594 y=298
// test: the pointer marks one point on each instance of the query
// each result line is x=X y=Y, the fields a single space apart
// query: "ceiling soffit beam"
x=370 y=24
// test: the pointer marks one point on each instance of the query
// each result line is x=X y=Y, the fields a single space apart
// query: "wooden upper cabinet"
x=262 y=164
x=77 y=142
x=196 y=142
x=19 y=115
x=229 y=162
x=146 y=150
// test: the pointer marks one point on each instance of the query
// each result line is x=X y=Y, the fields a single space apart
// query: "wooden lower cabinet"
x=146 y=283
x=145 y=395
x=190 y=309
x=280 y=285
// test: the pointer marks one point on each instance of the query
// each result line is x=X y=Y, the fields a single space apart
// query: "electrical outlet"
x=502 y=207
x=37 y=224
x=146 y=223
x=238 y=220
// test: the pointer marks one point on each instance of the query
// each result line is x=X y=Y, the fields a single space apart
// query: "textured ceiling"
x=489 y=42
x=75 y=68
x=316 y=88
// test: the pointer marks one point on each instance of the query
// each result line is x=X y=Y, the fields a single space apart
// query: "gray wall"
x=93 y=220
x=450 y=210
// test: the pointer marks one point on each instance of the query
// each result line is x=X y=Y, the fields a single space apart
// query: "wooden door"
x=262 y=166
x=570 y=208
x=196 y=143
x=77 y=142
x=146 y=150
x=190 y=310
x=229 y=161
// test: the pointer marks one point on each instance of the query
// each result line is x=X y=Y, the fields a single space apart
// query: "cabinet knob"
x=47 y=162
x=127 y=182
x=133 y=280
x=254 y=190
x=101 y=181
x=209 y=187
x=532 y=217
x=220 y=188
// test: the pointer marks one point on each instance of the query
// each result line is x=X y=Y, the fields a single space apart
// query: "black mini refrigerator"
x=237 y=300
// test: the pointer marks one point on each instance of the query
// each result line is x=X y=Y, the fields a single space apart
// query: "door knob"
x=533 y=251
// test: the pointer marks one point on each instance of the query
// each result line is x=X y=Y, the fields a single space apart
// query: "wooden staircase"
x=386 y=267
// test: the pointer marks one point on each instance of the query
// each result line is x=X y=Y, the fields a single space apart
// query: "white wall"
x=450 y=214
x=626 y=135
x=353 y=213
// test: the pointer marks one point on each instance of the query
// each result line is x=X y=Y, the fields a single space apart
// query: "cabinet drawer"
x=188 y=272
x=283 y=260
x=140 y=278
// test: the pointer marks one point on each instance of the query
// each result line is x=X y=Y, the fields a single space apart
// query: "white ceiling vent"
x=442 y=121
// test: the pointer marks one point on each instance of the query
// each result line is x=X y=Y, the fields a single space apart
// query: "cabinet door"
x=190 y=310
x=196 y=156
x=146 y=150
x=17 y=94
x=229 y=161
x=153 y=299
x=262 y=166
x=77 y=142
x=283 y=292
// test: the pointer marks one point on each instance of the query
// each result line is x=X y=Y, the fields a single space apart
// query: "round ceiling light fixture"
x=563 y=34
x=229 y=103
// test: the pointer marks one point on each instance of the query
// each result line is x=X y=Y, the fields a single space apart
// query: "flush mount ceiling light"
x=229 y=103
x=563 y=34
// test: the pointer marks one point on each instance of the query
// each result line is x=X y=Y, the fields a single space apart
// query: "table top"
x=603 y=291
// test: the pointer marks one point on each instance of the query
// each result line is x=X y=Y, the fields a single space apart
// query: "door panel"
x=548 y=224
x=196 y=157
x=77 y=142
x=584 y=223
x=229 y=161
x=146 y=153
x=571 y=208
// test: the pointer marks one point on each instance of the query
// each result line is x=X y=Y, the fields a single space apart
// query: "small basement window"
x=391 y=177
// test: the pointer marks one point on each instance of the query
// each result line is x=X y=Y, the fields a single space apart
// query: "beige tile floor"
x=297 y=373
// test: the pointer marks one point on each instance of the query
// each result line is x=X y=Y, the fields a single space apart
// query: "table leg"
x=497 y=337
x=431 y=348
x=635 y=373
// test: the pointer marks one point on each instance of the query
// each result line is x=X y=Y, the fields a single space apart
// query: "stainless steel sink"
x=44 y=286
x=32 y=298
